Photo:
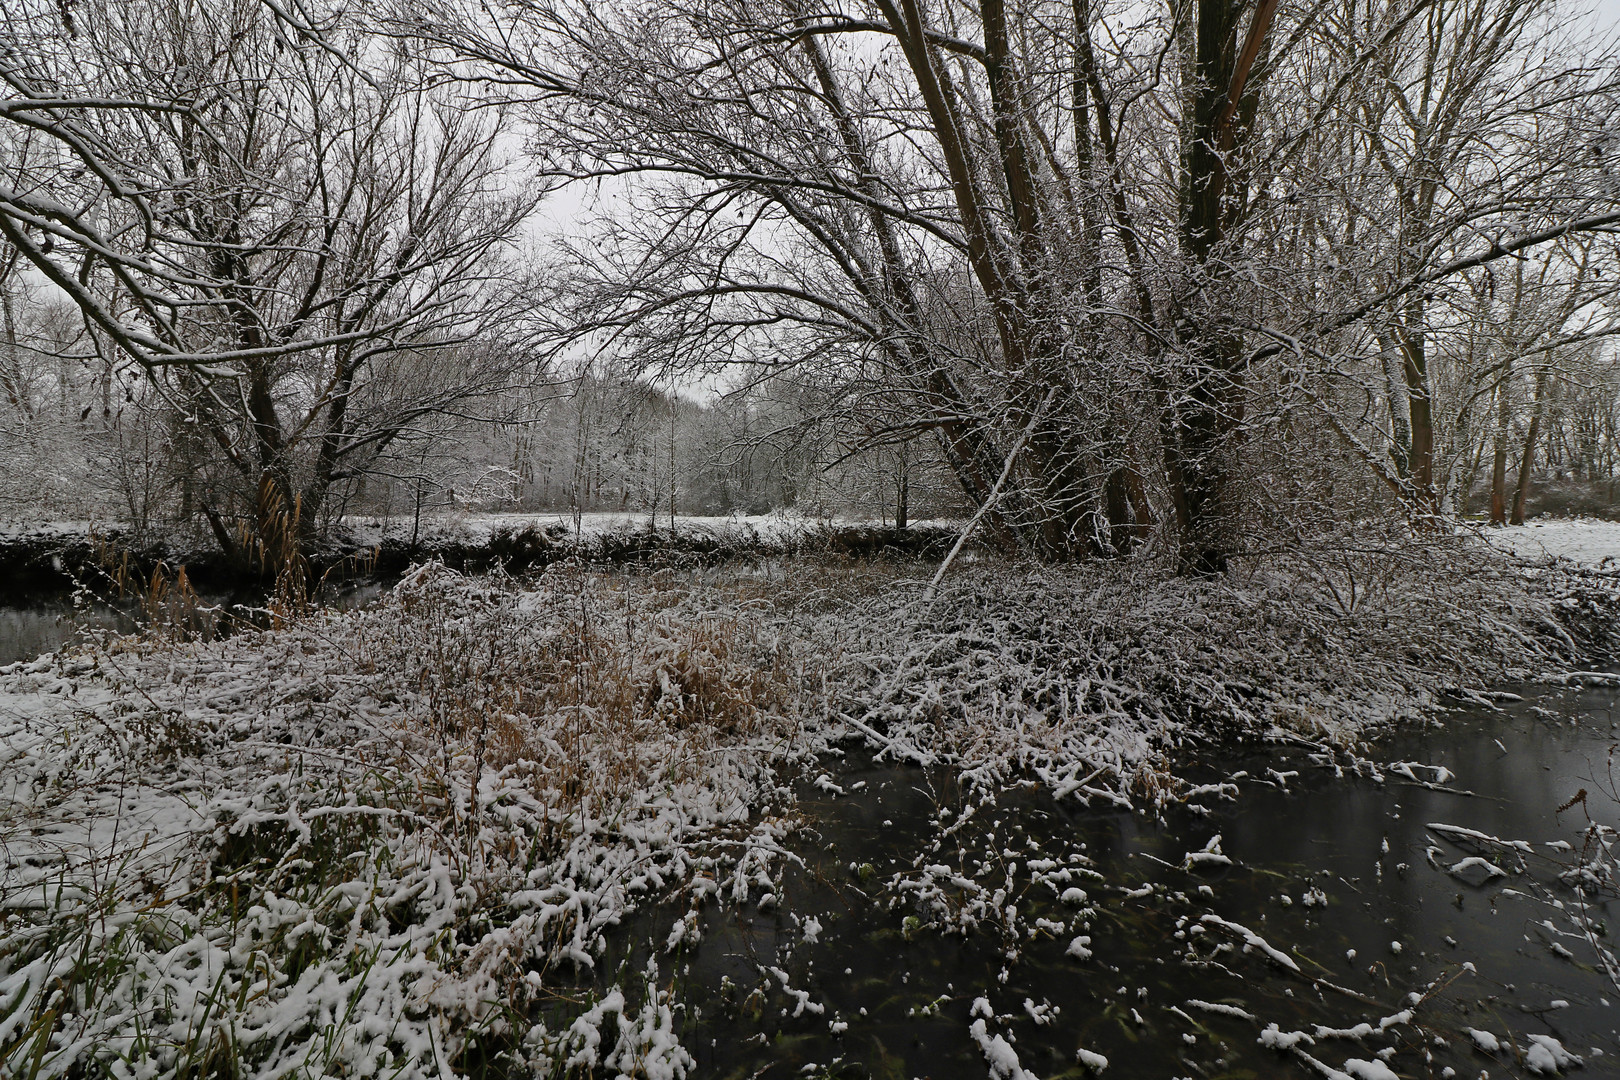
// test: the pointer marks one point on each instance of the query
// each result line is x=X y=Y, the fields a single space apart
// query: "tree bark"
x=1523 y=488
x=1499 y=454
x=1201 y=426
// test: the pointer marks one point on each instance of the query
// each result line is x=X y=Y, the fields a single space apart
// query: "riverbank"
x=414 y=837
x=43 y=558
x=48 y=558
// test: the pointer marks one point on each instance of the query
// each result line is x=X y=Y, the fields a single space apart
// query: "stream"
x=1348 y=910
x=45 y=622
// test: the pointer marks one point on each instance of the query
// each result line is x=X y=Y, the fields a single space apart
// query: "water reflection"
x=45 y=626
x=49 y=622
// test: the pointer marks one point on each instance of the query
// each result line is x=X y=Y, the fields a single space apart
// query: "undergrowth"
x=376 y=843
x=1093 y=677
x=396 y=841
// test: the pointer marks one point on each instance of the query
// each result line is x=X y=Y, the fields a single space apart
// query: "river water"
x=1330 y=900
x=45 y=623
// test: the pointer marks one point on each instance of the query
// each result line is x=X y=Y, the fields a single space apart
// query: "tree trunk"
x=1499 y=456
x=1420 y=402
x=1201 y=426
x=1525 y=462
x=1400 y=408
x=1460 y=481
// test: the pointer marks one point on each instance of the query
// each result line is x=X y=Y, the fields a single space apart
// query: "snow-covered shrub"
x=1090 y=676
x=372 y=843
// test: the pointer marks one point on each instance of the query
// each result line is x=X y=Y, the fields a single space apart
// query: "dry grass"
x=439 y=805
x=547 y=679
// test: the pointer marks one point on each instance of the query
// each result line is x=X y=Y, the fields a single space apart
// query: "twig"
x=990 y=499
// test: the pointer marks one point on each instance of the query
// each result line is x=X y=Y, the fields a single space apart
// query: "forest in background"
x=83 y=448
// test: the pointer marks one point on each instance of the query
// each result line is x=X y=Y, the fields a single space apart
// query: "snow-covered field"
x=475 y=526
x=1587 y=541
x=476 y=529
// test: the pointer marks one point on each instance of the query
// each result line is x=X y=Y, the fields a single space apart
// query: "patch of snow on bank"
x=1587 y=541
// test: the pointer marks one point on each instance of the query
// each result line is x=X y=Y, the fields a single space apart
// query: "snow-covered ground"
x=377 y=841
x=782 y=531
x=360 y=843
x=14 y=528
x=478 y=528
x=1586 y=541
x=474 y=524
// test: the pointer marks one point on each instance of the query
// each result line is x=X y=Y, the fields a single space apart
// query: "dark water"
x=1364 y=928
x=46 y=623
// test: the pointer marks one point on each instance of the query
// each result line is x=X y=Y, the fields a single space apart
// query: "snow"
x=1547 y=1055
x=1209 y=856
x=998 y=1054
x=1369 y=1070
x=1091 y=1060
x=1080 y=676
x=15 y=529
x=781 y=529
x=801 y=998
x=643 y=1043
x=1221 y=1008
x=1253 y=940
x=1586 y=541
x=1276 y=1039
x=1409 y=769
x=303 y=823
x=387 y=738
x=1475 y=862
x=1040 y=1014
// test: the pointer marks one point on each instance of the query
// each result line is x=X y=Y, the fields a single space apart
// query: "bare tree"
x=1071 y=243
x=282 y=224
x=1468 y=131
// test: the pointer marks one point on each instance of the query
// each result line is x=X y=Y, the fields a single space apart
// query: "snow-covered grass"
x=384 y=842
x=1090 y=677
x=369 y=843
